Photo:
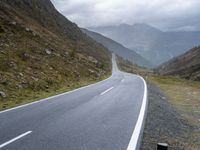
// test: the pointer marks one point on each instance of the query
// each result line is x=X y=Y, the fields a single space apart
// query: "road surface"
x=104 y=116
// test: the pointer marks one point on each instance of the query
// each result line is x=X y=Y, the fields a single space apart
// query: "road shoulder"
x=164 y=123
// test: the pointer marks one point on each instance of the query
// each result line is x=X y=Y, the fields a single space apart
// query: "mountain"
x=151 y=43
x=119 y=49
x=186 y=65
x=42 y=51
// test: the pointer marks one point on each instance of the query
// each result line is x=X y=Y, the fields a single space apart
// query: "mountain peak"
x=145 y=26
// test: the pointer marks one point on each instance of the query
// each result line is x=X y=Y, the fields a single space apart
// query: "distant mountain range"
x=186 y=65
x=151 y=43
x=119 y=49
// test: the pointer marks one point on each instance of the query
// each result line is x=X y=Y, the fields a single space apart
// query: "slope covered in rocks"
x=42 y=52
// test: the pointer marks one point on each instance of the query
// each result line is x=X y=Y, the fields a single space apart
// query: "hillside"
x=119 y=49
x=187 y=65
x=42 y=53
x=151 y=43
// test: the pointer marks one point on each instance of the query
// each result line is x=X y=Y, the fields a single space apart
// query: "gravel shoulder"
x=165 y=124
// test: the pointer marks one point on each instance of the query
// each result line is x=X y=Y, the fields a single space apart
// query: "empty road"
x=104 y=116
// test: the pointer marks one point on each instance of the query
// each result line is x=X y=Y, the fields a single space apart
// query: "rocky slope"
x=41 y=51
x=119 y=49
x=187 y=65
x=151 y=43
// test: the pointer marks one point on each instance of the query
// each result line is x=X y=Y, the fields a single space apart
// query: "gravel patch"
x=164 y=123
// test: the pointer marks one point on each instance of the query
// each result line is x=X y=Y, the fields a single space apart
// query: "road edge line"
x=51 y=97
x=139 y=124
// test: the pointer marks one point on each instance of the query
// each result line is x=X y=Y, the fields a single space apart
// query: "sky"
x=167 y=15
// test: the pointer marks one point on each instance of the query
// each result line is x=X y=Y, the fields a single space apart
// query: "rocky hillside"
x=186 y=65
x=41 y=52
x=151 y=43
x=119 y=49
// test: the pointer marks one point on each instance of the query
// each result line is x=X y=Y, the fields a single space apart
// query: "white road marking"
x=16 y=138
x=136 y=133
x=122 y=80
x=55 y=96
x=106 y=91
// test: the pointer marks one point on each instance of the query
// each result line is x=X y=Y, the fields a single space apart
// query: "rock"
x=2 y=94
x=66 y=54
x=13 y=65
x=91 y=71
x=13 y=23
x=19 y=86
x=56 y=54
x=6 y=45
x=35 y=79
x=25 y=55
x=34 y=33
x=48 y=51
x=21 y=74
x=27 y=29
x=92 y=59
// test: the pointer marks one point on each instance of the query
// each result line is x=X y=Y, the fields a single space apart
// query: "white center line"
x=106 y=91
x=16 y=138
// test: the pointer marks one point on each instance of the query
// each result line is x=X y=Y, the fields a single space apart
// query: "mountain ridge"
x=119 y=49
x=186 y=65
x=151 y=43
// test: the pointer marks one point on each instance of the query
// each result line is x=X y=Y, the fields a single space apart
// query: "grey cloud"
x=164 y=14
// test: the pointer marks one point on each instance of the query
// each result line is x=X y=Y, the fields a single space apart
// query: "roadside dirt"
x=165 y=124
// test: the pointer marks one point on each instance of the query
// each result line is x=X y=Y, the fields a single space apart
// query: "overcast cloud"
x=164 y=14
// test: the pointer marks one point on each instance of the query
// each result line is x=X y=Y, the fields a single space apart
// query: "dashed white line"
x=106 y=91
x=14 y=139
x=42 y=100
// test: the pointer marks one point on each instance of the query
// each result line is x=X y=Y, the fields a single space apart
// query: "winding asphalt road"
x=104 y=116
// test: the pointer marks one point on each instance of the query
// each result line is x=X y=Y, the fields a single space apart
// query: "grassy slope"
x=184 y=96
x=127 y=66
x=36 y=62
x=186 y=65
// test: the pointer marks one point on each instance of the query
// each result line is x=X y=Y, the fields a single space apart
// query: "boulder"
x=92 y=59
x=48 y=51
x=2 y=94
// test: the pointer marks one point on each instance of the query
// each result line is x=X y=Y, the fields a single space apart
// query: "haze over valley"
x=151 y=43
x=99 y=75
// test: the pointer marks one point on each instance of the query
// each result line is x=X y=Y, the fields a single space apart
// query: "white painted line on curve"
x=136 y=133
x=106 y=91
x=14 y=139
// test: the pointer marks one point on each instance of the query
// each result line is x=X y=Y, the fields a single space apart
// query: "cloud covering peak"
x=164 y=14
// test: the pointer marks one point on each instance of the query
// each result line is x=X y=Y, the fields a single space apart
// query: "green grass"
x=184 y=95
x=28 y=73
x=29 y=95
